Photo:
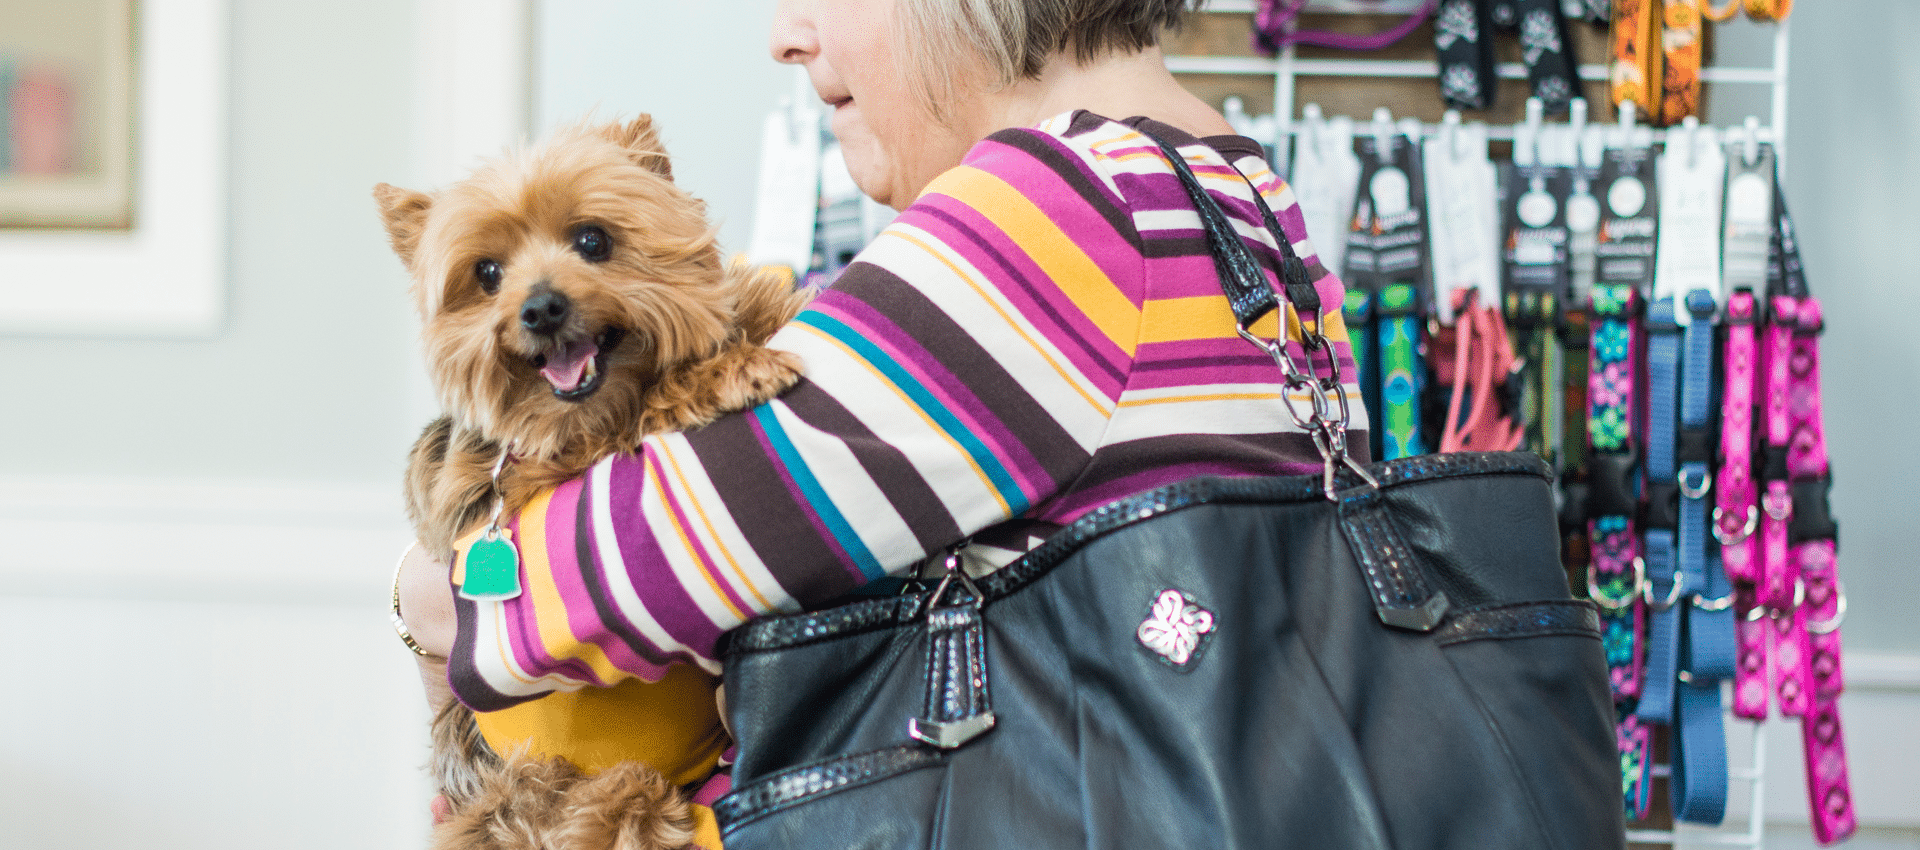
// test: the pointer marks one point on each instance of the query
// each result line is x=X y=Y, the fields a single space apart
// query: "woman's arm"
x=961 y=373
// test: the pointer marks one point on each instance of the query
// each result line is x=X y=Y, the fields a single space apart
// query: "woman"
x=1040 y=332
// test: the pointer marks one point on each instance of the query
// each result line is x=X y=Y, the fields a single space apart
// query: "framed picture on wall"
x=66 y=113
x=113 y=209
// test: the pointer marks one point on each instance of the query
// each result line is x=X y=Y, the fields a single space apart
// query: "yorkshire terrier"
x=573 y=300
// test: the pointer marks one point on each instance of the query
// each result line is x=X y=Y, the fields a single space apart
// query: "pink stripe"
x=583 y=620
x=652 y=577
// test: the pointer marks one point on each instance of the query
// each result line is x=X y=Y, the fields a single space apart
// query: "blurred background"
x=206 y=412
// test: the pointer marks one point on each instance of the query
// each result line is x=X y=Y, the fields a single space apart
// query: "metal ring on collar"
x=1674 y=595
x=1618 y=603
x=1694 y=492
x=1727 y=538
x=1721 y=604
x=1829 y=625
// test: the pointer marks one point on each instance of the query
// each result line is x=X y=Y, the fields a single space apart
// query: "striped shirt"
x=1040 y=333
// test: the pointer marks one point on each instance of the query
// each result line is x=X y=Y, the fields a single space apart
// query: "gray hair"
x=1016 y=38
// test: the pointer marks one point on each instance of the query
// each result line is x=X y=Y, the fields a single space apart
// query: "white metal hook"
x=1750 y=150
x=1450 y=134
x=1526 y=137
x=1315 y=122
x=1689 y=134
x=1383 y=132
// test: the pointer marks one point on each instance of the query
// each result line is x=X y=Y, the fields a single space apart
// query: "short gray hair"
x=1016 y=38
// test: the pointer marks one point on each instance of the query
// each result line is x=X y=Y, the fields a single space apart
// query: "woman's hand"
x=426 y=604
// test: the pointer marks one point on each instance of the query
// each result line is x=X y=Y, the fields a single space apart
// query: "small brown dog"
x=574 y=300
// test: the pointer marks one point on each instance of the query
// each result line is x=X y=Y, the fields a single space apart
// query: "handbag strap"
x=1327 y=409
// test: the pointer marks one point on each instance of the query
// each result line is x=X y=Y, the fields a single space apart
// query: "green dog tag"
x=492 y=569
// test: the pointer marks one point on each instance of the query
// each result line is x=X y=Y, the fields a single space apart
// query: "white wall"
x=199 y=529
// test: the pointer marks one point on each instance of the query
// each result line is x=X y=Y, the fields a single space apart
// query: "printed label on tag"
x=1629 y=220
x=1693 y=174
x=1536 y=231
x=491 y=569
x=1324 y=175
x=1464 y=224
x=1749 y=220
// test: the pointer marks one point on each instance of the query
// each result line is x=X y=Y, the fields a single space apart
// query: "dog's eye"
x=488 y=272
x=593 y=243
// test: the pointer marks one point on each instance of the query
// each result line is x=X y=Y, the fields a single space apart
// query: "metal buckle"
x=1697 y=491
x=1829 y=625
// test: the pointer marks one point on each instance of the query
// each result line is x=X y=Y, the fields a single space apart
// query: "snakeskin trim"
x=797 y=785
x=1524 y=620
x=1401 y=595
x=773 y=633
x=956 y=664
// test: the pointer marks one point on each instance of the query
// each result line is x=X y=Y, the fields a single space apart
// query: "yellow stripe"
x=1058 y=256
x=555 y=631
x=1185 y=399
x=714 y=535
x=1198 y=317
x=931 y=425
x=1009 y=320
x=686 y=543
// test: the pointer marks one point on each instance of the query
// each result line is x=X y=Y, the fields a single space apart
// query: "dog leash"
x=1747 y=253
x=1616 y=576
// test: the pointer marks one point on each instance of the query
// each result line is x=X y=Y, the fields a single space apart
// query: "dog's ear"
x=642 y=143
x=405 y=213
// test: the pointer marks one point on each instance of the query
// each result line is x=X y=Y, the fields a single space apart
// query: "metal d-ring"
x=1698 y=491
x=1615 y=603
x=1746 y=531
x=1827 y=626
x=1673 y=595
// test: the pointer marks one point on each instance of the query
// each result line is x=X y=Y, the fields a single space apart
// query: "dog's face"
x=556 y=283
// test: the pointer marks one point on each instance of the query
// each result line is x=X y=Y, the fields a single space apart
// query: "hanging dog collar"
x=1635 y=73
x=1681 y=36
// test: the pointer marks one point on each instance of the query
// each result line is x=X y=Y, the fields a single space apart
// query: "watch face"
x=1627 y=197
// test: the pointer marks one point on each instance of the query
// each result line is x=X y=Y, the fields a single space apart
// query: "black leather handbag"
x=1376 y=657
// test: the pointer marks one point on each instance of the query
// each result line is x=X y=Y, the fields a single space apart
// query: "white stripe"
x=945 y=467
x=863 y=504
x=613 y=570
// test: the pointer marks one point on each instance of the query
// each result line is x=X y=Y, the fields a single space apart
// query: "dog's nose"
x=545 y=311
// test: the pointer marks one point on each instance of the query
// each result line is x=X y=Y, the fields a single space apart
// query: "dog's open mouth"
x=578 y=369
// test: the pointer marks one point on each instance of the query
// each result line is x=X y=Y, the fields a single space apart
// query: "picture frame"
x=164 y=273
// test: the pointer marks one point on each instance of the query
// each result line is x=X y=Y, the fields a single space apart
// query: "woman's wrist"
x=423 y=612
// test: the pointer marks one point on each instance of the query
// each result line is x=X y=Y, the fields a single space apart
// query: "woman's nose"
x=793 y=40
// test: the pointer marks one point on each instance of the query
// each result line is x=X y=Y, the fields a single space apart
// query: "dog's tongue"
x=567 y=370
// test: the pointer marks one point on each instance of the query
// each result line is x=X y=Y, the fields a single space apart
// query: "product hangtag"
x=1583 y=207
x=787 y=197
x=489 y=569
x=1325 y=173
x=1749 y=215
x=1358 y=269
x=1693 y=174
x=1629 y=212
x=1463 y=221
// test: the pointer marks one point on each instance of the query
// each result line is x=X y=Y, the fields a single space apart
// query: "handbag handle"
x=1251 y=298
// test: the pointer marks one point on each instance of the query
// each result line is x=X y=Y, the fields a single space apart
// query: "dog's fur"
x=573 y=301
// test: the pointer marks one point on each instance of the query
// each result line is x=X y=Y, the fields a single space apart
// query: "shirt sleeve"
x=960 y=373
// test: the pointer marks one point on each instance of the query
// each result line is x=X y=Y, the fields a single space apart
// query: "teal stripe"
x=928 y=403
x=817 y=497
